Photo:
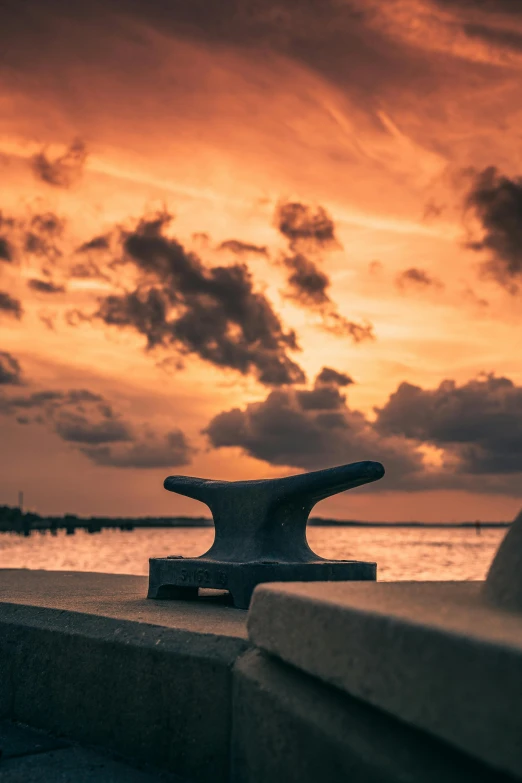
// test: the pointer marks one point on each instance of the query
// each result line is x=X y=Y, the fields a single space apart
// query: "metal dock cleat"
x=260 y=534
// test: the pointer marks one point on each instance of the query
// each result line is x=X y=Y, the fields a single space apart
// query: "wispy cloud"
x=63 y=170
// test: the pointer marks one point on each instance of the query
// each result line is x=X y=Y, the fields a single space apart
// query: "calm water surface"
x=401 y=554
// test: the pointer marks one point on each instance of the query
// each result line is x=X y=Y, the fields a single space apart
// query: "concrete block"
x=92 y=658
x=292 y=728
x=435 y=655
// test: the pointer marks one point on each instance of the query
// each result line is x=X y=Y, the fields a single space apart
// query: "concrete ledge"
x=292 y=728
x=372 y=683
x=88 y=656
x=435 y=655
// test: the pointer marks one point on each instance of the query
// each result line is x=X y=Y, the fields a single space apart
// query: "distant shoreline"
x=12 y=520
x=349 y=523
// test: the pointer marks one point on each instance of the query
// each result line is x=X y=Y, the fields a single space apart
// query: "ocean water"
x=401 y=553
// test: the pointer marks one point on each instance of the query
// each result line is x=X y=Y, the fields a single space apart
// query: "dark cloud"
x=79 y=428
x=328 y=375
x=90 y=423
x=145 y=311
x=320 y=398
x=312 y=429
x=342 y=327
x=10 y=370
x=45 y=287
x=64 y=170
x=299 y=222
x=306 y=230
x=97 y=243
x=417 y=277
x=243 y=248
x=47 y=224
x=48 y=319
x=150 y=451
x=309 y=232
x=49 y=401
x=214 y=312
x=41 y=236
x=476 y=428
x=478 y=423
x=10 y=306
x=75 y=317
x=496 y=201
x=6 y=253
x=307 y=284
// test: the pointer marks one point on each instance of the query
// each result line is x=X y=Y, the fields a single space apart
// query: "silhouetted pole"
x=21 y=501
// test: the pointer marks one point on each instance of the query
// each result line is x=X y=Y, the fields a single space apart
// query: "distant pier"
x=13 y=520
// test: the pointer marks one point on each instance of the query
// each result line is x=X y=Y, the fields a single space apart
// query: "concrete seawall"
x=88 y=656
x=184 y=686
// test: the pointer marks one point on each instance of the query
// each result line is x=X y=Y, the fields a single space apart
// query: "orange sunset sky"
x=245 y=238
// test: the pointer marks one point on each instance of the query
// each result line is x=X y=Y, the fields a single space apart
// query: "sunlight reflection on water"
x=401 y=553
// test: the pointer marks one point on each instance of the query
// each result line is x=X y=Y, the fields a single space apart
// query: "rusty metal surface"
x=260 y=534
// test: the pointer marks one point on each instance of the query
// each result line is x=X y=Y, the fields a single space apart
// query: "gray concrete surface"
x=29 y=756
x=292 y=728
x=123 y=597
x=435 y=655
x=87 y=655
x=399 y=682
